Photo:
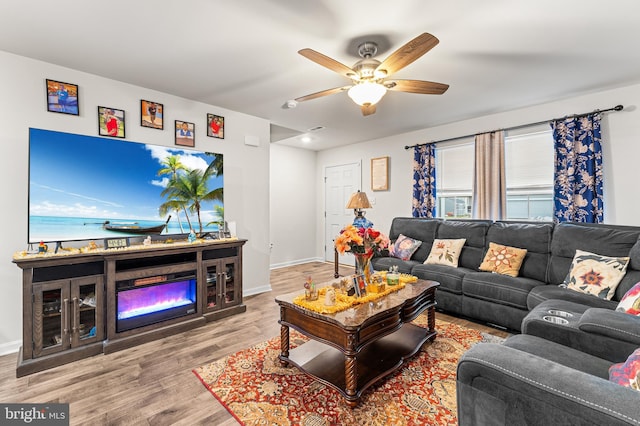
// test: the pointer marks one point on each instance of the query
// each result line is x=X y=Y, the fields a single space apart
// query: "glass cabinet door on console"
x=67 y=314
x=222 y=279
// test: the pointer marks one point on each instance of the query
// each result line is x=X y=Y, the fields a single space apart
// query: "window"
x=529 y=174
x=454 y=179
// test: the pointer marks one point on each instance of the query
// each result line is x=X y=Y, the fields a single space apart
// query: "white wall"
x=23 y=105
x=621 y=145
x=294 y=212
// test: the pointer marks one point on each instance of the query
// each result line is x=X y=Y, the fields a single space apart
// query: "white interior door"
x=340 y=182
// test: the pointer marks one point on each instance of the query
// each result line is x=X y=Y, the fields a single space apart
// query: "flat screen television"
x=89 y=188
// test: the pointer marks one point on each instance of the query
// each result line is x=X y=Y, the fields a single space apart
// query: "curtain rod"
x=615 y=108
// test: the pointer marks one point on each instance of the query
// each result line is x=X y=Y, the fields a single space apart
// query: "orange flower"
x=592 y=278
x=360 y=240
x=502 y=257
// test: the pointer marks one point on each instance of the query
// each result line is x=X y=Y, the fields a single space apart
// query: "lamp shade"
x=367 y=92
x=358 y=200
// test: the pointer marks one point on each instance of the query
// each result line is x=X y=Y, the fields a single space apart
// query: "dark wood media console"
x=70 y=301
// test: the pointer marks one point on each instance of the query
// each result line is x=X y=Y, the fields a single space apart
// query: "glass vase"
x=363 y=266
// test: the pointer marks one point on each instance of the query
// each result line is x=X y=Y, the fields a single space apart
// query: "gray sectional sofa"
x=557 y=370
x=529 y=380
x=503 y=300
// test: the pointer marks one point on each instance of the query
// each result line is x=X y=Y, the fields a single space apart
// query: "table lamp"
x=357 y=202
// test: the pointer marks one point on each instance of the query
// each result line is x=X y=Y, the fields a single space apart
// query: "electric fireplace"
x=149 y=300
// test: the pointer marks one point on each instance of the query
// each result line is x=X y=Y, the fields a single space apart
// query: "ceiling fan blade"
x=416 y=86
x=328 y=62
x=323 y=93
x=368 y=109
x=408 y=53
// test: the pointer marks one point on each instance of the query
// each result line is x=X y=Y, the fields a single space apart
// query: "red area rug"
x=256 y=389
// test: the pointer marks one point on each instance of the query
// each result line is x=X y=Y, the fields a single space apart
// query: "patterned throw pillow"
x=445 y=252
x=630 y=302
x=503 y=259
x=627 y=373
x=404 y=247
x=595 y=274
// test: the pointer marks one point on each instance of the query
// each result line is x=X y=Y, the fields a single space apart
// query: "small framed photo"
x=359 y=285
x=62 y=97
x=151 y=114
x=110 y=122
x=185 y=133
x=215 y=126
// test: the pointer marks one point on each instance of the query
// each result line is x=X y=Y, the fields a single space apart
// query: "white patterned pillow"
x=595 y=274
x=630 y=302
x=445 y=252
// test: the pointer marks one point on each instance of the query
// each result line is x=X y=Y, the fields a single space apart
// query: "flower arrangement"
x=361 y=240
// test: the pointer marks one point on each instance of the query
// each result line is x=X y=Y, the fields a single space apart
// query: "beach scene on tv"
x=85 y=188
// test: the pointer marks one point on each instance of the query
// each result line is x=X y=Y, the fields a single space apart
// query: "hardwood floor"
x=152 y=384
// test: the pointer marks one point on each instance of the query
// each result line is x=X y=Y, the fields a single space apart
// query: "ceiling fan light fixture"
x=367 y=92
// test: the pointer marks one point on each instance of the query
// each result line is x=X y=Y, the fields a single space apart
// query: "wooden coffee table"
x=353 y=349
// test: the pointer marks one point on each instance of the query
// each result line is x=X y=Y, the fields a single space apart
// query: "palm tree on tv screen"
x=171 y=167
x=190 y=189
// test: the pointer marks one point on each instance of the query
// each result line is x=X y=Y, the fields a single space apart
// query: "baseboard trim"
x=10 y=347
x=295 y=262
x=258 y=290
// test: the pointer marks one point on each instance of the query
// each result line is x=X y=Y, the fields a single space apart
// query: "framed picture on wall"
x=110 y=122
x=185 y=134
x=151 y=114
x=380 y=174
x=215 y=126
x=62 y=97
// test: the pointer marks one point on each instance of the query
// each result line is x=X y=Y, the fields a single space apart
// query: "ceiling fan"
x=369 y=77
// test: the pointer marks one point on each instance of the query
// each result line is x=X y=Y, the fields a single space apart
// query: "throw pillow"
x=404 y=247
x=445 y=252
x=627 y=373
x=503 y=259
x=630 y=302
x=595 y=274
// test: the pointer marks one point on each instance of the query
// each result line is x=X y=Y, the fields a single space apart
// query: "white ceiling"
x=496 y=55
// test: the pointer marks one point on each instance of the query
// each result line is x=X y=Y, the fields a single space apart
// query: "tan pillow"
x=445 y=252
x=503 y=259
x=595 y=274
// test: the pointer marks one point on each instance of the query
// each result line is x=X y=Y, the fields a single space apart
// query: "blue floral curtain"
x=424 y=181
x=578 y=195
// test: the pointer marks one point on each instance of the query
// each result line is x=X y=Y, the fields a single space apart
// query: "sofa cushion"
x=627 y=373
x=630 y=302
x=535 y=237
x=610 y=323
x=417 y=228
x=560 y=354
x=503 y=259
x=548 y=292
x=450 y=278
x=384 y=263
x=445 y=252
x=474 y=231
x=629 y=280
x=595 y=274
x=498 y=288
x=607 y=240
x=634 y=256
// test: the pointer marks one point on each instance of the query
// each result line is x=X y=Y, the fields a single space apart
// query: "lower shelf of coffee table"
x=375 y=361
